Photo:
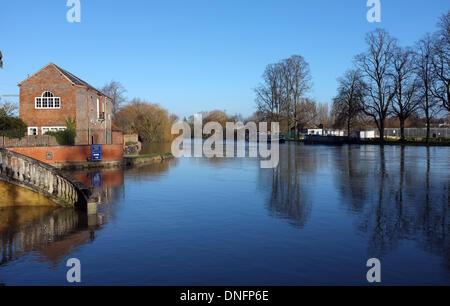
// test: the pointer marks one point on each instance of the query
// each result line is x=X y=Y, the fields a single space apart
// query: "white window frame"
x=98 y=108
x=52 y=129
x=33 y=128
x=53 y=99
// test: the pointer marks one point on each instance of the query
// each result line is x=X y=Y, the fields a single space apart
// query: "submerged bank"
x=145 y=159
x=127 y=161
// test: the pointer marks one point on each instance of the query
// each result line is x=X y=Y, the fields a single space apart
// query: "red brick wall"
x=47 y=79
x=62 y=154
x=117 y=137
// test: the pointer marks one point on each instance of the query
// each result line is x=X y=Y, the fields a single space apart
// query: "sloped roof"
x=74 y=79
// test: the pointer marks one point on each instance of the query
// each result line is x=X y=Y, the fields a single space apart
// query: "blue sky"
x=194 y=55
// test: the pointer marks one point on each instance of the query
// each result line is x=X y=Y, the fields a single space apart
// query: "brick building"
x=52 y=95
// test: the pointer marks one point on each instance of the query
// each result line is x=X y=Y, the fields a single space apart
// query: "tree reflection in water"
x=397 y=194
x=394 y=193
x=288 y=183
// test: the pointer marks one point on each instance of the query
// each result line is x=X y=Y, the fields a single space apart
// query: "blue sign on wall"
x=96 y=152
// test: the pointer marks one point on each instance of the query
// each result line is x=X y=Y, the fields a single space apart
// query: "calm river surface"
x=316 y=219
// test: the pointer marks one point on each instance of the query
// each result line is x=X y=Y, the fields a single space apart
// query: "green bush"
x=64 y=138
x=12 y=127
x=13 y=133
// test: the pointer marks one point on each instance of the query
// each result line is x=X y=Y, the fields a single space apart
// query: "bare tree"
x=116 y=92
x=307 y=112
x=8 y=109
x=297 y=82
x=284 y=85
x=424 y=69
x=405 y=101
x=268 y=94
x=444 y=25
x=441 y=62
x=323 y=115
x=348 y=104
x=376 y=66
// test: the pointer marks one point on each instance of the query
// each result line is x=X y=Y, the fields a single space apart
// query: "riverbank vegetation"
x=10 y=125
x=151 y=122
x=389 y=85
x=399 y=86
x=66 y=137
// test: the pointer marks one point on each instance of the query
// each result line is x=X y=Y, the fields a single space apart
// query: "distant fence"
x=28 y=141
x=416 y=132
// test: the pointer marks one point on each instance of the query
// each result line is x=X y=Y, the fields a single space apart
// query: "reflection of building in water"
x=107 y=185
x=53 y=233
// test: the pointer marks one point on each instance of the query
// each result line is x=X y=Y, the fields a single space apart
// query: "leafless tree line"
x=281 y=96
x=389 y=80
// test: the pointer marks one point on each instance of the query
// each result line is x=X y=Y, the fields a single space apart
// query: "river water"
x=314 y=220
